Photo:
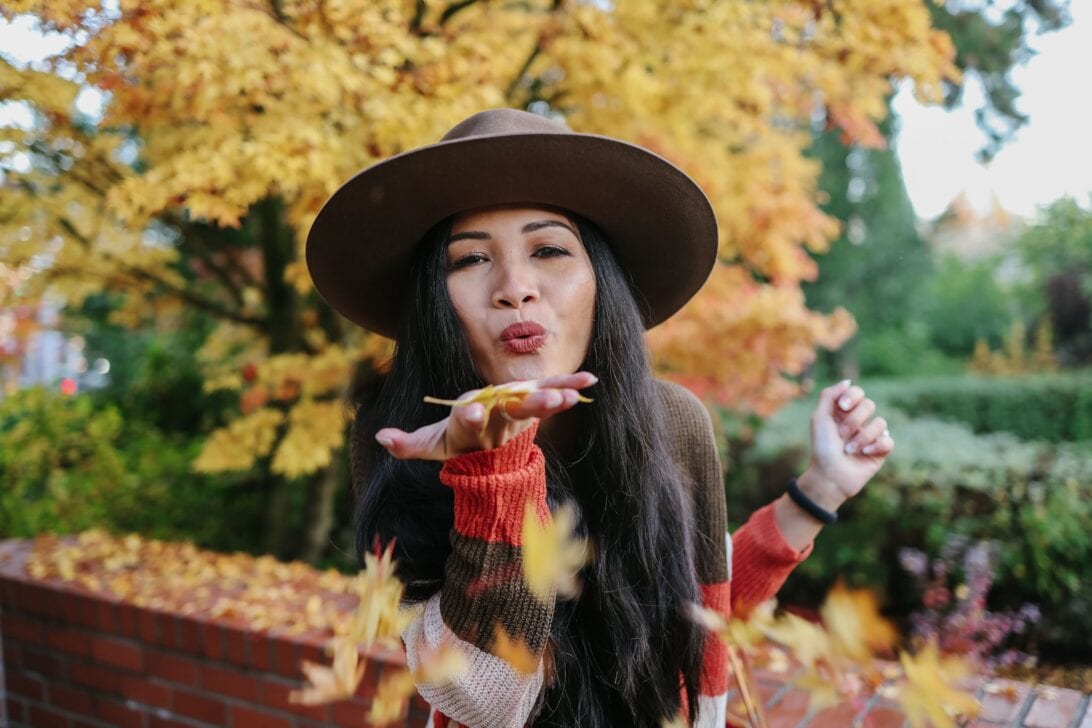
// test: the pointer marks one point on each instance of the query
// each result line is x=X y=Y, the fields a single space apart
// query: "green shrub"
x=68 y=463
x=1047 y=407
x=1033 y=499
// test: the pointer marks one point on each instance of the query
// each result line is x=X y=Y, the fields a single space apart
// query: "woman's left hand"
x=848 y=444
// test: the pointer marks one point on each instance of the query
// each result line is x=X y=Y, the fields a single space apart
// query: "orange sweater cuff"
x=492 y=486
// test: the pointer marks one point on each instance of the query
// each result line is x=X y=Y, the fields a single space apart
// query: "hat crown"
x=493 y=122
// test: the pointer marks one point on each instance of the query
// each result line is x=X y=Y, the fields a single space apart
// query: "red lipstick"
x=524 y=337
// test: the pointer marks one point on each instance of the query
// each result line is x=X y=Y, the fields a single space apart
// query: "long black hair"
x=620 y=648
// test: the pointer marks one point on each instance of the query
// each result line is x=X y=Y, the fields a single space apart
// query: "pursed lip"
x=524 y=337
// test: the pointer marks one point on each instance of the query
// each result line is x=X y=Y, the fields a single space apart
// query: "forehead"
x=499 y=216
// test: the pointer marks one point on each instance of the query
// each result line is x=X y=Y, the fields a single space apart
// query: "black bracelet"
x=814 y=509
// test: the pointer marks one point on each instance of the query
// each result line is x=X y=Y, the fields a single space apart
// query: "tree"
x=198 y=184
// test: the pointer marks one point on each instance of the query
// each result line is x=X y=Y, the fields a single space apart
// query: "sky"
x=1049 y=158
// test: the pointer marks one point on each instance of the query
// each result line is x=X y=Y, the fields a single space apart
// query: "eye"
x=465 y=261
x=550 y=251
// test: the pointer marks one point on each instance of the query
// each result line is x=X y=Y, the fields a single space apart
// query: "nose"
x=514 y=287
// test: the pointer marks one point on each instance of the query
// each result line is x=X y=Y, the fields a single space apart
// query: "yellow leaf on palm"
x=493 y=396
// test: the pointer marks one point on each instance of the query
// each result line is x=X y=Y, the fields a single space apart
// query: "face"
x=524 y=291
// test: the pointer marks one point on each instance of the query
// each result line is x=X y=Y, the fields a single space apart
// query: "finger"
x=579 y=380
x=882 y=445
x=542 y=403
x=425 y=443
x=848 y=400
x=867 y=435
x=471 y=416
x=822 y=417
x=856 y=418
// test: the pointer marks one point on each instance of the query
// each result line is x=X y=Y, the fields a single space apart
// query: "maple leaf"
x=552 y=556
x=498 y=395
x=514 y=651
x=852 y=618
x=391 y=696
x=337 y=682
x=927 y=695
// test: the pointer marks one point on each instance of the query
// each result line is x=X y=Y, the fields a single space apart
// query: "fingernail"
x=868 y=449
x=594 y=379
x=844 y=382
x=844 y=403
x=851 y=447
x=384 y=440
x=474 y=414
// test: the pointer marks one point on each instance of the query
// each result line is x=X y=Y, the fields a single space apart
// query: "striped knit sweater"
x=490 y=489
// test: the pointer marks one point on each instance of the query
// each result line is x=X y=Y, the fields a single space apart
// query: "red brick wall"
x=73 y=658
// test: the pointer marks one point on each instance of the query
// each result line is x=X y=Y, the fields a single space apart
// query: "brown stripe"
x=485 y=586
x=693 y=446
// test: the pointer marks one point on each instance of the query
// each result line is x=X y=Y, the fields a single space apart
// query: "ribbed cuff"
x=770 y=542
x=492 y=486
x=714 y=668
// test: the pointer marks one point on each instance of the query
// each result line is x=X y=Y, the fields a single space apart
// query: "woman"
x=513 y=250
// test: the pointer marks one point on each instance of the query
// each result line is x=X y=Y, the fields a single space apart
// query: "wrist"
x=821 y=490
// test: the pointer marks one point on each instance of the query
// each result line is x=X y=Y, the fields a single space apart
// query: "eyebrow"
x=528 y=228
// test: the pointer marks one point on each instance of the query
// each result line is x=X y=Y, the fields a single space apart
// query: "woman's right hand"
x=462 y=430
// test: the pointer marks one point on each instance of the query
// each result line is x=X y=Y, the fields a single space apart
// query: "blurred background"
x=903 y=189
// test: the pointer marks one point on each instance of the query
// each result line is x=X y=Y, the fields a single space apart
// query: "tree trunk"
x=320 y=513
x=277 y=517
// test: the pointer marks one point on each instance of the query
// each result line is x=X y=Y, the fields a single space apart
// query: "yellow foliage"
x=236 y=446
x=928 y=696
x=552 y=555
x=255 y=136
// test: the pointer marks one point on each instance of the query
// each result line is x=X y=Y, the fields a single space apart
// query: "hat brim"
x=659 y=223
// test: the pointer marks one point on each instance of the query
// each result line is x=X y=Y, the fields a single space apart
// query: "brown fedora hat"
x=660 y=224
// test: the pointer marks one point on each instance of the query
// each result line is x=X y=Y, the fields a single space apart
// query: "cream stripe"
x=728 y=546
x=712 y=711
x=490 y=695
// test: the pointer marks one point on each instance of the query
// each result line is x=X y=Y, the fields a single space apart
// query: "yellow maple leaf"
x=389 y=704
x=852 y=618
x=552 y=556
x=928 y=695
x=337 y=682
x=493 y=396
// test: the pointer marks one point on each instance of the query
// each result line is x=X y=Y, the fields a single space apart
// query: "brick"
x=1003 y=700
x=72 y=699
x=68 y=640
x=119 y=652
x=12 y=653
x=838 y=716
x=127 y=625
x=118 y=714
x=168 y=631
x=44 y=717
x=108 y=617
x=287 y=658
x=1053 y=708
x=16 y=709
x=275 y=695
x=146 y=691
x=348 y=713
x=245 y=717
x=172 y=667
x=100 y=677
x=43 y=663
x=261 y=652
x=25 y=685
x=199 y=706
x=82 y=610
x=237 y=645
x=883 y=717
x=789 y=710
x=225 y=681
x=17 y=627
x=189 y=635
x=147 y=626
x=212 y=641
x=765 y=691
x=159 y=721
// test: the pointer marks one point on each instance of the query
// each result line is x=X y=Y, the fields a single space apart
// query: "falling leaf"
x=514 y=651
x=928 y=695
x=327 y=684
x=552 y=556
x=391 y=697
x=852 y=618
